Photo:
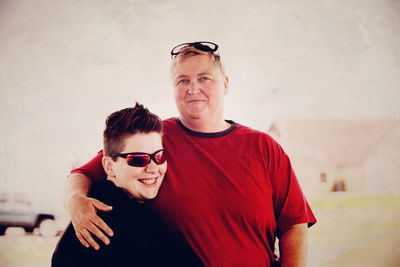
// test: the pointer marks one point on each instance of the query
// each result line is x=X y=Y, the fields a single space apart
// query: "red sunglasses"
x=141 y=159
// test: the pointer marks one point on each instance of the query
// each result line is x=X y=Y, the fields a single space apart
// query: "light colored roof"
x=343 y=142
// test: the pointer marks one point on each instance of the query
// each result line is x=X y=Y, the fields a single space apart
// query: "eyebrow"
x=181 y=76
x=185 y=75
x=205 y=73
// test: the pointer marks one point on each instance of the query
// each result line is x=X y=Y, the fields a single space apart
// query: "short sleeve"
x=290 y=204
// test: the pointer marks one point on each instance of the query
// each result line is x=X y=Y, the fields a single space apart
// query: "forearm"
x=293 y=246
x=76 y=185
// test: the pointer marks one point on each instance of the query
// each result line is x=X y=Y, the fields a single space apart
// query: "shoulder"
x=102 y=188
x=258 y=140
x=171 y=129
x=250 y=133
x=169 y=123
x=124 y=208
x=106 y=191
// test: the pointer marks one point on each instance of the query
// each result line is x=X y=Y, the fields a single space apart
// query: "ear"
x=108 y=166
x=226 y=85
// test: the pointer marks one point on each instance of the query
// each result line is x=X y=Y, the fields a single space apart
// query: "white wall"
x=383 y=168
x=65 y=65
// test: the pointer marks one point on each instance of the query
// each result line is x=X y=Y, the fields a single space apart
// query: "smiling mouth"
x=147 y=181
x=196 y=101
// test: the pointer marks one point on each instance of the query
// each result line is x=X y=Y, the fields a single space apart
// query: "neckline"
x=208 y=135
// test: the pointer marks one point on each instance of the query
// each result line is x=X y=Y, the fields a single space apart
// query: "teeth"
x=148 y=181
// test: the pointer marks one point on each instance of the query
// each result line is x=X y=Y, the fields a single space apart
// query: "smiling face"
x=140 y=182
x=200 y=87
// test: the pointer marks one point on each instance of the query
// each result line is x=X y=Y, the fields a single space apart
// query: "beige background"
x=65 y=65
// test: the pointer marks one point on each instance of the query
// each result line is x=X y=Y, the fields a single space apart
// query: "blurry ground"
x=26 y=250
x=355 y=231
x=351 y=231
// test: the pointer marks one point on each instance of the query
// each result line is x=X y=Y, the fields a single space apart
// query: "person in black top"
x=135 y=163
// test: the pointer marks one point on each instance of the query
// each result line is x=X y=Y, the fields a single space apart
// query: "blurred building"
x=360 y=156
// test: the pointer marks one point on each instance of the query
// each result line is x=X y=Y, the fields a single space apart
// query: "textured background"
x=65 y=65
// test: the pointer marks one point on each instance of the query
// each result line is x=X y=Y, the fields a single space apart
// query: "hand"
x=86 y=222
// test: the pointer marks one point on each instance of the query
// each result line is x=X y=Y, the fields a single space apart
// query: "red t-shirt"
x=229 y=193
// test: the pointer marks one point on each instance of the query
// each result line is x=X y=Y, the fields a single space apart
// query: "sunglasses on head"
x=141 y=159
x=202 y=46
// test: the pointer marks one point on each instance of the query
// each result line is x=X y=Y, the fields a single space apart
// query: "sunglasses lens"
x=160 y=157
x=202 y=46
x=139 y=160
x=206 y=47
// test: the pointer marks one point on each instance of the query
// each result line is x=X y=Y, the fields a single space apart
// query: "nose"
x=151 y=167
x=193 y=88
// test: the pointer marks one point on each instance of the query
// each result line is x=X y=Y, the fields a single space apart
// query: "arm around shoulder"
x=83 y=211
x=77 y=185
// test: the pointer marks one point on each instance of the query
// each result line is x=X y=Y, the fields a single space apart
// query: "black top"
x=140 y=238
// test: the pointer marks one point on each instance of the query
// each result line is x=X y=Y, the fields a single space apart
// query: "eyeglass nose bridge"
x=153 y=158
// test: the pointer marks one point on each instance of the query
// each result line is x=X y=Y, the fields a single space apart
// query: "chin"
x=149 y=196
x=194 y=116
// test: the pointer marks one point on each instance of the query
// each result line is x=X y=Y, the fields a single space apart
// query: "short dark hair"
x=125 y=122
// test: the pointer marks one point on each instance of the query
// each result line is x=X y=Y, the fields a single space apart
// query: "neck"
x=205 y=126
x=113 y=180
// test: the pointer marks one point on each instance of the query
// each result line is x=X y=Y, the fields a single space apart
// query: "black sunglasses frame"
x=152 y=157
x=202 y=46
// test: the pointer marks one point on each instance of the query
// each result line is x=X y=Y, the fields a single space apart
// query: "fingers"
x=81 y=239
x=86 y=239
x=88 y=224
x=92 y=228
x=85 y=236
x=100 y=205
x=102 y=226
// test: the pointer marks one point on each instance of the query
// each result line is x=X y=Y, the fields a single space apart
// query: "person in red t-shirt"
x=230 y=190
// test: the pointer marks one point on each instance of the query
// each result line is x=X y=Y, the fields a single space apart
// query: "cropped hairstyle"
x=126 y=122
x=190 y=51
